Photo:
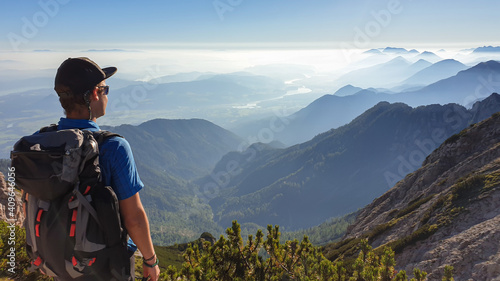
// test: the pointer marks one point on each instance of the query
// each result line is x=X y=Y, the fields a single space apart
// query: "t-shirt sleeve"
x=119 y=169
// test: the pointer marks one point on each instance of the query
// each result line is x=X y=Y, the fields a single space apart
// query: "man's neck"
x=80 y=115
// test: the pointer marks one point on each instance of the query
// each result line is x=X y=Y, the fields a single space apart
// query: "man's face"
x=99 y=105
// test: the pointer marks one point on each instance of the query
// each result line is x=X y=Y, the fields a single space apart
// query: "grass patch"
x=492 y=180
x=412 y=206
x=346 y=248
x=422 y=233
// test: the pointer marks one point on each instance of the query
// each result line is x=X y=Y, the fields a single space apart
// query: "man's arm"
x=137 y=225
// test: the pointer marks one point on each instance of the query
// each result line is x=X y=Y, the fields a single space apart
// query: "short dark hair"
x=70 y=102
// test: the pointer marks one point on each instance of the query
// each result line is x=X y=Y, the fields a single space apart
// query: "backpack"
x=73 y=224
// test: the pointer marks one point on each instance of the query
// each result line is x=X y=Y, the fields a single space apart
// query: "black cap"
x=78 y=75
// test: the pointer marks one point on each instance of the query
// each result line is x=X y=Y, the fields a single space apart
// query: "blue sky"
x=75 y=24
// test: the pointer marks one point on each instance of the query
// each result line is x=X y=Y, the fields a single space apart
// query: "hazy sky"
x=77 y=25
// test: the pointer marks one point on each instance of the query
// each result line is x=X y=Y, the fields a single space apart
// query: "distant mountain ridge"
x=438 y=71
x=338 y=171
x=331 y=111
x=429 y=56
x=384 y=74
x=487 y=49
x=185 y=148
x=465 y=88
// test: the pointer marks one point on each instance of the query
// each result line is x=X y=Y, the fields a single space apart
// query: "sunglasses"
x=106 y=89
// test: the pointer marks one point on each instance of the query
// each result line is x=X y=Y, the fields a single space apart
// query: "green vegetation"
x=422 y=233
x=412 y=206
x=14 y=261
x=266 y=258
x=173 y=255
x=448 y=273
x=232 y=258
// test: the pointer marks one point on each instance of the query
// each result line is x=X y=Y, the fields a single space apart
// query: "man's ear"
x=94 y=96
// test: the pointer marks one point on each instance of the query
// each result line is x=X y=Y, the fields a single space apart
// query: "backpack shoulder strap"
x=101 y=136
x=50 y=128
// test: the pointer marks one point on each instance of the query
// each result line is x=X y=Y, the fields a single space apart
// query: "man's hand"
x=151 y=273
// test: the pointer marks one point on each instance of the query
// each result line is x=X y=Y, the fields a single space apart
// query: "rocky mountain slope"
x=445 y=213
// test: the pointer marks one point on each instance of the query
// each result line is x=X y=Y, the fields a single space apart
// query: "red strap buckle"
x=37 y=262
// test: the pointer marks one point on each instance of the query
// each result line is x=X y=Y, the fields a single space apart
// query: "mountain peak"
x=491 y=65
x=347 y=90
x=448 y=61
x=394 y=50
x=487 y=49
x=373 y=51
x=430 y=56
x=483 y=109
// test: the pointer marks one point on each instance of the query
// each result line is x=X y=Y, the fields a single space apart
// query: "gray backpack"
x=73 y=225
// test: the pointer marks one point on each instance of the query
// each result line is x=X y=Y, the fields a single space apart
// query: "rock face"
x=5 y=213
x=445 y=213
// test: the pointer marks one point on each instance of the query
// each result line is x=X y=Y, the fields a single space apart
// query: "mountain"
x=437 y=71
x=183 y=148
x=331 y=111
x=445 y=213
x=334 y=173
x=323 y=114
x=168 y=154
x=384 y=74
x=465 y=88
x=394 y=50
x=418 y=66
x=373 y=52
x=429 y=56
x=482 y=110
x=487 y=49
x=347 y=90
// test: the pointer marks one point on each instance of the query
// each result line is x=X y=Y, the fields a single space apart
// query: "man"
x=83 y=93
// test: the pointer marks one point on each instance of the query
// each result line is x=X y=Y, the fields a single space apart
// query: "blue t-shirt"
x=115 y=158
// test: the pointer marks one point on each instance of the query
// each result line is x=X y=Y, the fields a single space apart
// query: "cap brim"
x=109 y=71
